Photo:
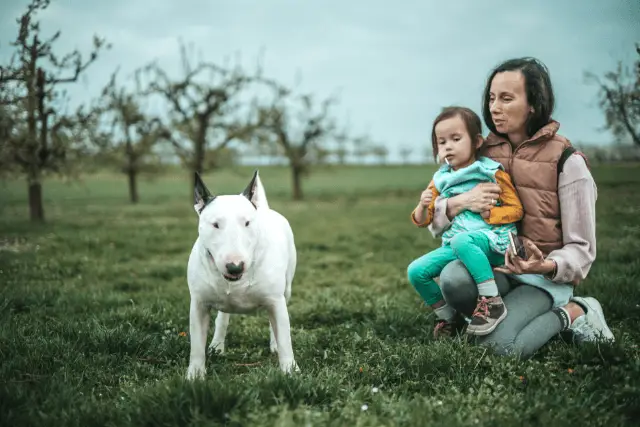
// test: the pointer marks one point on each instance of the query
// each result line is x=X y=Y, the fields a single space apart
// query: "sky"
x=393 y=65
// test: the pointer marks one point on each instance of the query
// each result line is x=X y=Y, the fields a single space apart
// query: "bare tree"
x=298 y=135
x=619 y=98
x=361 y=148
x=342 y=141
x=405 y=154
x=341 y=154
x=216 y=159
x=30 y=96
x=133 y=133
x=275 y=153
x=10 y=131
x=204 y=108
x=428 y=154
x=319 y=155
x=381 y=152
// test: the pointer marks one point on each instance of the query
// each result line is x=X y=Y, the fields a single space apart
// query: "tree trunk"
x=133 y=185
x=198 y=163
x=198 y=158
x=296 y=172
x=36 y=210
x=197 y=167
x=132 y=165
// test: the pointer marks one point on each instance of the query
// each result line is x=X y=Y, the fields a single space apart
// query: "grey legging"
x=530 y=320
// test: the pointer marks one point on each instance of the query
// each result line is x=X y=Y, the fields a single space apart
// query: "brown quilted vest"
x=533 y=167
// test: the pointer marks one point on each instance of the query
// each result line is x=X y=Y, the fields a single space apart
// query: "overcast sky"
x=393 y=64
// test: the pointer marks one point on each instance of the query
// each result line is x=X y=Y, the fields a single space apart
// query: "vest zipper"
x=513 y=155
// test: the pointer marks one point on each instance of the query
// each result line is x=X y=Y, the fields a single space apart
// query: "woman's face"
x=508 y=104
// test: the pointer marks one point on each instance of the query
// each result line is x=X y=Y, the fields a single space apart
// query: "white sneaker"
x=591 y=327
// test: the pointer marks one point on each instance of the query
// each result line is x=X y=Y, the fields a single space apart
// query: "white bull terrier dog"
x=244 y=259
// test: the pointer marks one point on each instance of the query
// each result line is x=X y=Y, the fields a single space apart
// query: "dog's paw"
x=196 y=372
x=216 y=347
x=289 y=367
x=273 y=346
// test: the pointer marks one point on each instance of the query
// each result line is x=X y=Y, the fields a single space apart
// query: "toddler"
x=479 y=240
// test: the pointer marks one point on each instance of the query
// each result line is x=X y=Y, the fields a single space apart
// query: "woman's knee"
x=455 y=278
x=458 y=287
x=527 y=325
x=502 y=342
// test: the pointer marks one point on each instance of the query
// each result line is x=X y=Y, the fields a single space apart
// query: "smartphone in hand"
x=516 y=246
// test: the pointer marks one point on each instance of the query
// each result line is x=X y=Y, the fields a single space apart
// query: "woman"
x=558 y=228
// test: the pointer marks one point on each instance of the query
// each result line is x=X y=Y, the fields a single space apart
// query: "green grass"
x=93 y=303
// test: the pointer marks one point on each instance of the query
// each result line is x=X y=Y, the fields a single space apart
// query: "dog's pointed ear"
x=255 y=191
x=250 y=191
x=201 y=194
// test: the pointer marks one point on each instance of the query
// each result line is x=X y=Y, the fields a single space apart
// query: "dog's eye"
x=215 y=225
x=246 y=224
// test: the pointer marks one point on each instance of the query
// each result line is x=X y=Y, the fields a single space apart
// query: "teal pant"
x=472 y=248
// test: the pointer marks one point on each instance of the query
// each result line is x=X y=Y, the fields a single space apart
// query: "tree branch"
x=197 y=104
x=78 y=65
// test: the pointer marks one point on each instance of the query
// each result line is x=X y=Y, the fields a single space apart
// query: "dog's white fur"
x=235 y=229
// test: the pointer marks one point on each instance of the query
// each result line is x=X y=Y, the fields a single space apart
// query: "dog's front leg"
x=273 y=344
x=199 y=318
x=279 y=318
x=219 y=333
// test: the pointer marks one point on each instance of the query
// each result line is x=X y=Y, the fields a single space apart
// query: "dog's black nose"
x=235 y=268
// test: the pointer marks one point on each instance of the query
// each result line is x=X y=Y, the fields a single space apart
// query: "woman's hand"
x=535 y=264
x=482 y=197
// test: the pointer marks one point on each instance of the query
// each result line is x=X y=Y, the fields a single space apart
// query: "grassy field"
x=94 y=309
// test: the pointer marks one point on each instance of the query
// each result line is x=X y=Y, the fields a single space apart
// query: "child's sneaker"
x=488 y=314
x=448 y=328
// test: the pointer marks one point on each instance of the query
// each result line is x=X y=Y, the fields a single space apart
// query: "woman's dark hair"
x=471 y=120
x=538 y=88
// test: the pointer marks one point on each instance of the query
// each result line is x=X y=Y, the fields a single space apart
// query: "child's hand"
x=486 y=214
x=425 y=198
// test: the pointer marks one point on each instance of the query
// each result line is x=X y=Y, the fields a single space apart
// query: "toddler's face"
x=455 y=145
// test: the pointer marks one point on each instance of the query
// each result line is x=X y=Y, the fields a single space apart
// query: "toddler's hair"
x=471 y=120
